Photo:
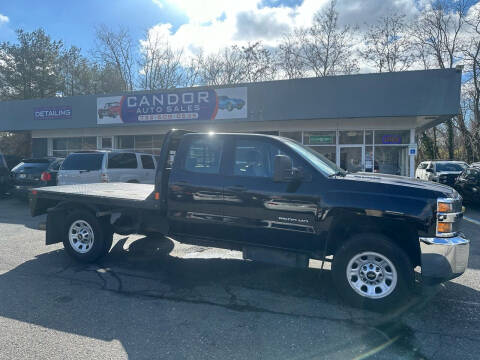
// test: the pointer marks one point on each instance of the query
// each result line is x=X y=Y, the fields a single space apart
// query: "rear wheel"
x=372 y=272
x=87 y=238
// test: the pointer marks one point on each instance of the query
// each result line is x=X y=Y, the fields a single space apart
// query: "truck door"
x=195 y=187
x=261 y=211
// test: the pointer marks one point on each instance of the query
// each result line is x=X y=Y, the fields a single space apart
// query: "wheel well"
x=402 y=233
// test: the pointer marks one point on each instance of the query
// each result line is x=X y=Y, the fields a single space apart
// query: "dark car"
x=32 y=173
x=4 y=176
x=468 y=184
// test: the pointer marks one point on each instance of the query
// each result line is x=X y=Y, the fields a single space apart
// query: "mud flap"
x=55 y=225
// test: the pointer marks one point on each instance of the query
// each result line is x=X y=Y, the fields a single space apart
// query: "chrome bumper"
x=443 y=258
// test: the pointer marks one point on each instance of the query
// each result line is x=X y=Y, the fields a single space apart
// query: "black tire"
x=375 y=243
x=102 y=237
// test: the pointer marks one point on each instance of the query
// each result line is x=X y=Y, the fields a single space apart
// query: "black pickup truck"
x=277 y=201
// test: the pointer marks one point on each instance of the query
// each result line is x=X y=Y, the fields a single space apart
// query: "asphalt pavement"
x=155 y=298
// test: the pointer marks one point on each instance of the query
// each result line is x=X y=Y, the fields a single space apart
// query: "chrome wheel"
x=81 y=236
x=372 y=275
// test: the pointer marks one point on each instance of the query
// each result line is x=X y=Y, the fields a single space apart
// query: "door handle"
x=236 y=188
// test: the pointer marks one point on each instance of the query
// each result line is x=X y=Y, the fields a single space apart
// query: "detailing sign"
x=207 y=104
x=52 y=113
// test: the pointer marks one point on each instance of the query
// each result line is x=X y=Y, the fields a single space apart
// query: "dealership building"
x=362 y=122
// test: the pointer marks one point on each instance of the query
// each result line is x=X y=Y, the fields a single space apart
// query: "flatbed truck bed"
x=116 y=194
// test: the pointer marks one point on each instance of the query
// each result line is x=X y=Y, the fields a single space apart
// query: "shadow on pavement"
x=159 y=305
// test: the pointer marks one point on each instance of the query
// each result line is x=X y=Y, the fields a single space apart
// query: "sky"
x=188 y=24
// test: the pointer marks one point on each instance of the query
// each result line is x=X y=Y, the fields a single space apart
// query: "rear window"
x=54 y=166
x=25 y=165
x=147 y=162
x=122 y=161
x=83 y=162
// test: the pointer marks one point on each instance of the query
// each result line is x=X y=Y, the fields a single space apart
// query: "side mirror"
x=429 y=170
x=282 y=168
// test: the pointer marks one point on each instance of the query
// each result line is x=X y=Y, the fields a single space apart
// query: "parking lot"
x=156 y=298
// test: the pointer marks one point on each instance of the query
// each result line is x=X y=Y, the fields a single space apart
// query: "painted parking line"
x=473 y=221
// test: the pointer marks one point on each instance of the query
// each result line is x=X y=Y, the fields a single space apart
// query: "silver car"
x=103 y=166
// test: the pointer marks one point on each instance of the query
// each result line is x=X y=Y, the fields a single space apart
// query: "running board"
x=274 y=256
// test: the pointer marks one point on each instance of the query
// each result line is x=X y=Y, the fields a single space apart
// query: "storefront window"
x=351 y=137
x=392 y=137
x=143 y=141
x=320 y=138
x=391 y=160
x=126 y=142
x=294 y=135
x=107 y=142
x=157 y=141
x=61 y=147
x=371 y=165
x=368 y=137
x=330 y=152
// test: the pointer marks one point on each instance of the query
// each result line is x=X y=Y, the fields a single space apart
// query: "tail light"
x=46 y=176
x=103 y=177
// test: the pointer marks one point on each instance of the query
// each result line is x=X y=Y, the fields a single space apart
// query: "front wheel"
x=371 y=272
x=87 y=238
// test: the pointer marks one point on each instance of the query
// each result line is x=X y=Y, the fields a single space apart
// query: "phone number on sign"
x=168 y=116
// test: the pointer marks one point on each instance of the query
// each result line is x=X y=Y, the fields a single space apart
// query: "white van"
x=103 y=166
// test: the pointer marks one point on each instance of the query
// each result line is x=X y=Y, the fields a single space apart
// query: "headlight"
x=447 y=216
x=444 y=206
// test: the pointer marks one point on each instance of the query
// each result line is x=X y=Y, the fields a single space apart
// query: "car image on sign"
x=110 y=109
x=226 y=103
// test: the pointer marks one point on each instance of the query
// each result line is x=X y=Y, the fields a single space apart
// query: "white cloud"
x=214 y=24
x=4 y=19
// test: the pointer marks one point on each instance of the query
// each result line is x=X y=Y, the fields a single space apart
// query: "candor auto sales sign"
x=175 y=105
x=52 y=113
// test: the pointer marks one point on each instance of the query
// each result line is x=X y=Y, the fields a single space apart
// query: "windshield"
x=450 y=167
x=91 y=161
x=318 y=161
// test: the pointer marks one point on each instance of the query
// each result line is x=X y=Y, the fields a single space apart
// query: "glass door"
x=351 y=158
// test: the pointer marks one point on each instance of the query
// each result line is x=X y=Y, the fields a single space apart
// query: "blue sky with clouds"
x=187 y=24
x=74 y=21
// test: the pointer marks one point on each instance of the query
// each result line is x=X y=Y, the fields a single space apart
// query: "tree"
x=437 y=32
x=289 y=60
x=258 y=63
x=115 y=50
x=387 y=44
x=160 y=64
x=30 y=68
x=325 y=48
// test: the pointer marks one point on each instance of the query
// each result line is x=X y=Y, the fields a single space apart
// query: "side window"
x=204 y=156
x=254 y=158
x=122 y=161
x=422 y=166
x=147 y=162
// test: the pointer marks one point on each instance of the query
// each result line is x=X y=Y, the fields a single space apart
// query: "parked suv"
x=444 y=172
x=102 y=166
x=4 y=175
x=468 y=184
x=28 y=174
